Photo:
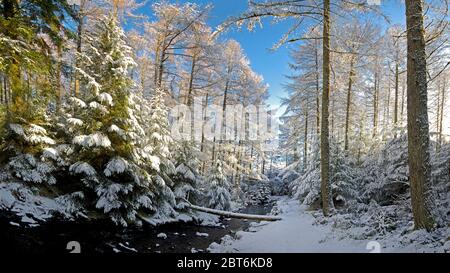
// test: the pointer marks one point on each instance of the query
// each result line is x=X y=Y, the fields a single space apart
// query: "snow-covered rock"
x=162 y=236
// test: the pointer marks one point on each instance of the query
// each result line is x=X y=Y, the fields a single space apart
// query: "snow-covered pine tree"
x=343 y=176
x=105 y=131
x=30 y=145
x=25 y=118
x=218 y=188
x=343 y=172
x=187 y=178
x=26 y=122
x=158 y=146
x=230 y=166
x=306 y=187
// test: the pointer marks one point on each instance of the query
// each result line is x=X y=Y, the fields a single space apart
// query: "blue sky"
x=273 y=65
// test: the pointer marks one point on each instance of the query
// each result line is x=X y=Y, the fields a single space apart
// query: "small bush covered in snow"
x=187 y=177
x=218 y=192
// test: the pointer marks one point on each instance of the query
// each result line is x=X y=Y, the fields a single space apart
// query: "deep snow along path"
x=296 y=232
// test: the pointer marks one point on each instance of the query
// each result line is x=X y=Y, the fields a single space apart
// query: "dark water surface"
x=104 y=237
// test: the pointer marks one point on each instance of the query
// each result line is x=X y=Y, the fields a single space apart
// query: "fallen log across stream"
x=235 y=215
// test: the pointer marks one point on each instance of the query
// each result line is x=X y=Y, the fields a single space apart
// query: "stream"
x=103 y=237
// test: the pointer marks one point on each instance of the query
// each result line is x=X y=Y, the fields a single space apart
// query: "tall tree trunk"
x=17 y=89
x=438 y=115
x=375 y=105
x=387 y=108
x=317 y=89
x=190 y=99
x=360 y=140
x=1 y=90
x=79 y=44
x=224 y=109
x=331 y=117
x=305 y=144
x=396 y=98
x=444 y=86
x=263 y=167
x=402 y=114
x=142 y=73
x=191 y=81
x=5 y=89
x=161 y=69
x=251 y=157
x=271 y=163
x=236 y=177
x=349 y=100
x=324 y=141
x=160 y=55
x=156 y=67
x=418 y=131
x=59 y=87
x=7 y=97
x=15 y=92
x=202 y=144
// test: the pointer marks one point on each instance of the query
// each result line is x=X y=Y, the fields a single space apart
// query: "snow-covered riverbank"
x=299 y=231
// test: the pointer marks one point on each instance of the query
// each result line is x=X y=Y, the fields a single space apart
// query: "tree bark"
x=5 y=89
x=388 y=106
x=15 y=89
x=360 y=139
x=161 y=69
x=396 y=97
x=305 y=144
x=418 y=128
x=375 y=106
x=271 y=163
x=250 y=163
x=438 y=116
x=347 y=114
x=402 y=113
x=203 y=141
x=223 y=129
x=191 y=81
x=155 y=72
x=317 y=89
x=444 y=86
x=59 y=86
x=224 y=109
x=79 y=44
x=324 y=140
x=1 y=91
x=263 y=166
x=387 y=110
x=331 y=117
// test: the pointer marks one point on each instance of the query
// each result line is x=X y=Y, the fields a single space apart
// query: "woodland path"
x=296 y=232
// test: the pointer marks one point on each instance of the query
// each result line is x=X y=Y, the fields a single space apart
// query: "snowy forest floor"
x=302 y=231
